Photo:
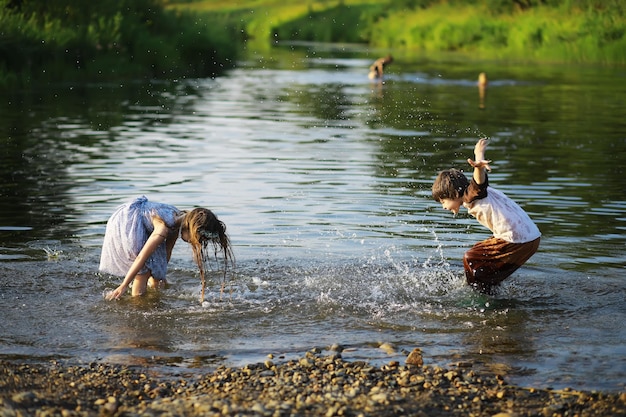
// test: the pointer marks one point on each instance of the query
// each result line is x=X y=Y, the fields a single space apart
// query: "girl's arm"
x=480 y=164
x=154 y=240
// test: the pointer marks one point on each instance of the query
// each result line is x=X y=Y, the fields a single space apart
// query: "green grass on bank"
x=565 y=33
x=592 y=31
x=265 y=22
x=117 y=39
x=107 y=40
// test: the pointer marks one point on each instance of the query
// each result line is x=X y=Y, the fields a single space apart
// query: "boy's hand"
x=480 y=164
x=479 y=155
x=479 y=149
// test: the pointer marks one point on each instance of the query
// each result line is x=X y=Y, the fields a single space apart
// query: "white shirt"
x=504 y=217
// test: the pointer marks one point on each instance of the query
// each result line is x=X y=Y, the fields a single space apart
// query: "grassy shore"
x=314 y=385
x=589 y=31
x=70 y=40
x=565 y=33
x=73 y=40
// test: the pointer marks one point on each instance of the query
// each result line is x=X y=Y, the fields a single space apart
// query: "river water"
x=323 y=179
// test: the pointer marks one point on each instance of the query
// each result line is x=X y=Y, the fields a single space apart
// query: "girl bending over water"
x=140 y=236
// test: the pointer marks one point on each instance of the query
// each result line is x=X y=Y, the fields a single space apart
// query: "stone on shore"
x=314 y=385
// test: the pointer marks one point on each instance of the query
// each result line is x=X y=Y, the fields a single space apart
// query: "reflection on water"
x=323 y=179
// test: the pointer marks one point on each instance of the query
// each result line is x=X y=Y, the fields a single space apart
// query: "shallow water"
x=323 y=180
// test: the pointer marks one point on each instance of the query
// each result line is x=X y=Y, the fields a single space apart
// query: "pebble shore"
x=313 y=385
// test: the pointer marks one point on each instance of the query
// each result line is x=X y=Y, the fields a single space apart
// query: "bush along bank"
x=582 y=31
x=108 y=40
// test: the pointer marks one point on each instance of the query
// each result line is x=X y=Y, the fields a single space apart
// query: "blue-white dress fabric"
x=126 y=233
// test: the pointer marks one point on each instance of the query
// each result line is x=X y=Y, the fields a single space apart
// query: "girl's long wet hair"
x=451 y=184
x=206 y=231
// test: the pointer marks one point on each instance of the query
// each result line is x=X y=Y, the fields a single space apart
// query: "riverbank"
x=589 y=31
x=313 y=385
x=147 y=39
x=73 y=41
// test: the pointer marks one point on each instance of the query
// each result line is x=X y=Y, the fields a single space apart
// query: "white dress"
x=126 y=233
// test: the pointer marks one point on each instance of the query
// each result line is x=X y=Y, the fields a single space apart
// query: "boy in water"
x=378 y=67
x=515 y=237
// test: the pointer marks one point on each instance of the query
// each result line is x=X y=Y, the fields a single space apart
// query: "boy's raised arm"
x=479 y=163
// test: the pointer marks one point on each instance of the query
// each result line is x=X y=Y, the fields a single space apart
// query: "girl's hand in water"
x=115 y=294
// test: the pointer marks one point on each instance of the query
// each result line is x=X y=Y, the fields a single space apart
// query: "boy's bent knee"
x=485 y=273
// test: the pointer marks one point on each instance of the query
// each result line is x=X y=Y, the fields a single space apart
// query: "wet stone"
x=315 y=385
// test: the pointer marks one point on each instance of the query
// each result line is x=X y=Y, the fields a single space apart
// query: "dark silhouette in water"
x=377 y=68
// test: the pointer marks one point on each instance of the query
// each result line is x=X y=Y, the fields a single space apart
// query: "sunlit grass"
x=553 y=34
x=259 y=19
x=582 y=31
x=201 y=38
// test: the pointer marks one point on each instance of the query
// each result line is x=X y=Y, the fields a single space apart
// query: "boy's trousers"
x=489 y=262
